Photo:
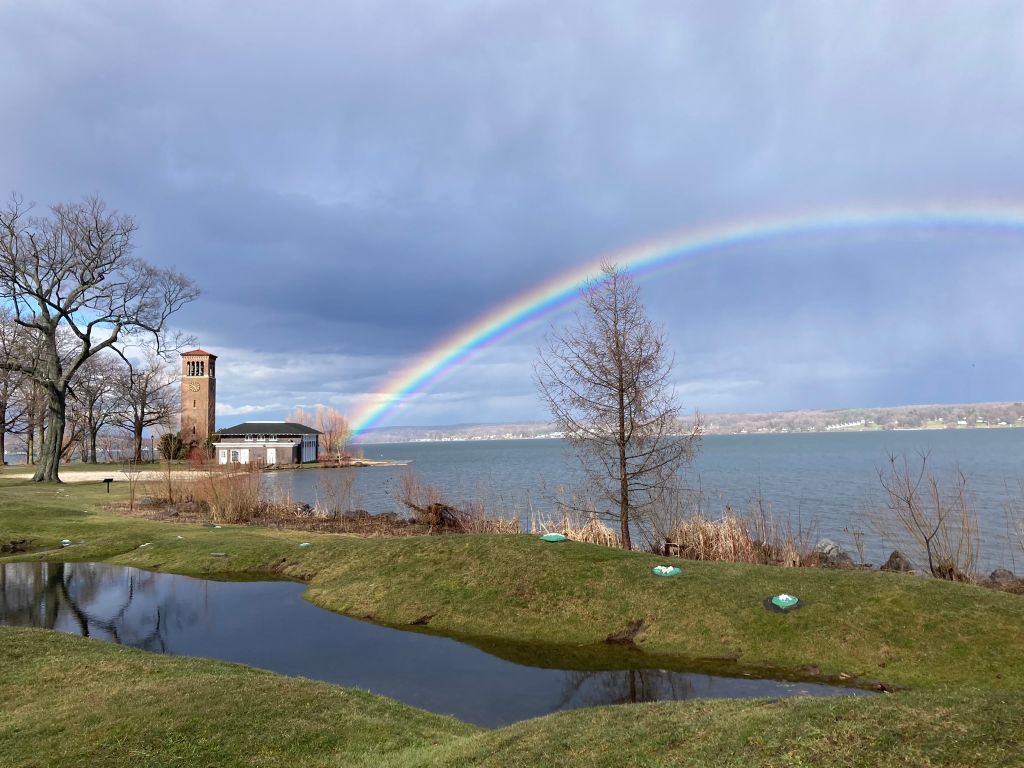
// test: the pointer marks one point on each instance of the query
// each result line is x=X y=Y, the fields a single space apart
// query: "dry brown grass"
x=237 y=494
x=727 y=538
x=230 y=494
x=577 y=526
x=681 y=525
x=222 y=493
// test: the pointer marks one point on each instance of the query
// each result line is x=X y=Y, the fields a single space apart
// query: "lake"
x=269 y=625
x=830 y=479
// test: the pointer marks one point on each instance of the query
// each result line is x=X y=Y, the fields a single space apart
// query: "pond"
x=268 y=624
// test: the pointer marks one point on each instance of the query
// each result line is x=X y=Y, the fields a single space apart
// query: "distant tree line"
x=962 y=416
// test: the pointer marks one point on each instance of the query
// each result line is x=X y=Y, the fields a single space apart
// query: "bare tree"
x=72 y=273
x=606 y=381
x=74 y=430
x=330 y=422
x=33 y=419
x=145 y=396
x=92 y=395
x=935 y=524
x=13 y=407
x=112 y=445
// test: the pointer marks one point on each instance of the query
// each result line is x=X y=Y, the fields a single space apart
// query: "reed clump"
x=728 y=539
x=585 y=527
x=229 y=493
x=219 y=493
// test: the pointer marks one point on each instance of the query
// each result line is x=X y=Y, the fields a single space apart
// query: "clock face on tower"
x=193 y=386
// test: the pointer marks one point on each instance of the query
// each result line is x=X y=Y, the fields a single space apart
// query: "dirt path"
x=89 y=476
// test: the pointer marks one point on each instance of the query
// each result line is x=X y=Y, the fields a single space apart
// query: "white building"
x=267 y=442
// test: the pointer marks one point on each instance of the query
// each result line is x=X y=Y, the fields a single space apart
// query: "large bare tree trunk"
x=53 y=438
x=138 y=443
x=623 y=471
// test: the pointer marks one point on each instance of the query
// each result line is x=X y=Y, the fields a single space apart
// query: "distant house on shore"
x=266 y=443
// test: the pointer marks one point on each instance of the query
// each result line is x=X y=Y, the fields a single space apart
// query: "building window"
x=234 y=457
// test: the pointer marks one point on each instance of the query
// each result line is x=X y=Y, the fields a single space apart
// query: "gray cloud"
x=353 y=182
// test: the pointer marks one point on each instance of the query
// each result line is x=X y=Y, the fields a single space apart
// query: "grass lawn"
x=959 y=648
x=512 y=594
x=79 y=703
x=68 y=702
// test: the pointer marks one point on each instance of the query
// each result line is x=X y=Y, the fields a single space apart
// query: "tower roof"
x=198 y=352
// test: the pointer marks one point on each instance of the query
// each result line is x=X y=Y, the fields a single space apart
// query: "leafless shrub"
x=429 y=508
x=857 y=537
x=783 y=540
x=675 y=504
x=131 y=473
x=335 y=493
x=237 y=494
x=475 y=519
x=934 y=525
x=1013 y=510
x=416 y=495
x=230 y=493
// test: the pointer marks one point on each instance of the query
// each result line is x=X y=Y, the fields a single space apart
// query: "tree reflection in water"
x=629 y=686
x=88 y=601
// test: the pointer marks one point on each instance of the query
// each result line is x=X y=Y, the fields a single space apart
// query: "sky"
x=353 y=183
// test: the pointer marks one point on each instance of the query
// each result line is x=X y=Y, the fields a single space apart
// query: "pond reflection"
x=269 y=625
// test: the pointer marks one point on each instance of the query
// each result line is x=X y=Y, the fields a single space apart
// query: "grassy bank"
x=517 y=596
x=74 y=702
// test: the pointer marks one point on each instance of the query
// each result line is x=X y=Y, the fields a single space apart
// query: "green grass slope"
x=74 y=702
x=516 y=595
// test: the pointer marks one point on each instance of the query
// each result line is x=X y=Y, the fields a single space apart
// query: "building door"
x=271 y=455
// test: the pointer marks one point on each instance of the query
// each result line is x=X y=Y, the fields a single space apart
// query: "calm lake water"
x=269 y=625
x=829 y=479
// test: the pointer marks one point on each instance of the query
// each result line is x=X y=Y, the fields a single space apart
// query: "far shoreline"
x=758 y=433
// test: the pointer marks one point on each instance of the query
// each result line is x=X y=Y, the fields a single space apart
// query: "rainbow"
x=524 y=310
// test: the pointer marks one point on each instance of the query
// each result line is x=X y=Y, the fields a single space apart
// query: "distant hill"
x=969 y=416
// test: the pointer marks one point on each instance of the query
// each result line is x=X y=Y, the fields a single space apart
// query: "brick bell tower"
x=198 y=397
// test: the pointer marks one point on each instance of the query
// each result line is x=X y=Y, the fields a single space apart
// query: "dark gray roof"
x=269 y=428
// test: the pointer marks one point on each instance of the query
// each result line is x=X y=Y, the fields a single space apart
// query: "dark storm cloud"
x=353 y=182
